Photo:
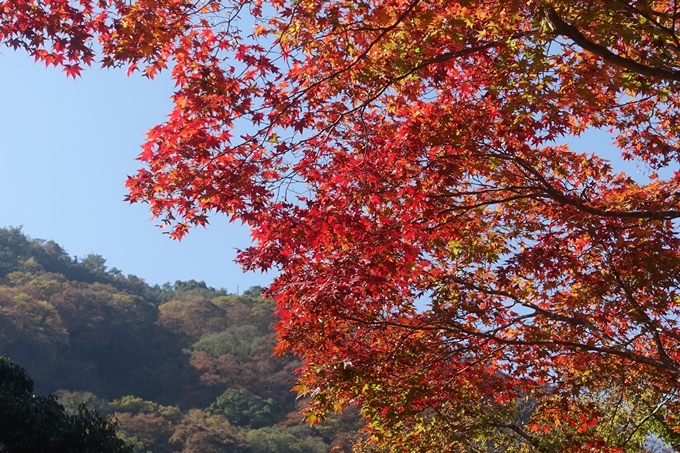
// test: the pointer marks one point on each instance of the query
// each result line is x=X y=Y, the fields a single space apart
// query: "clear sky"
x=66 y=147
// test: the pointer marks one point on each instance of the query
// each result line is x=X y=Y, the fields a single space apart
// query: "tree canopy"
x=30 y=423
x=389 y=151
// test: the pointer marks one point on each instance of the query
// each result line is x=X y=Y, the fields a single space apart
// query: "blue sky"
x=66 y=147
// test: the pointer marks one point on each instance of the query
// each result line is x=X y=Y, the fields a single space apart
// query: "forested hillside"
x=183 y=367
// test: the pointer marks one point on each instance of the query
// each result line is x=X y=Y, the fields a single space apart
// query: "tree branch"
x=575 y=35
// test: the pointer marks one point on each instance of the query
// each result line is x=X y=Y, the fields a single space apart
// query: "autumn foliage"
x=181 y=368
x=444 y=262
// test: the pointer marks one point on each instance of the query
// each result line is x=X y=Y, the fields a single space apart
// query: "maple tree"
x=386 y=152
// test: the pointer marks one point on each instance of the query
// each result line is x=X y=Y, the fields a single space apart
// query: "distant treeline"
x=184 y=367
